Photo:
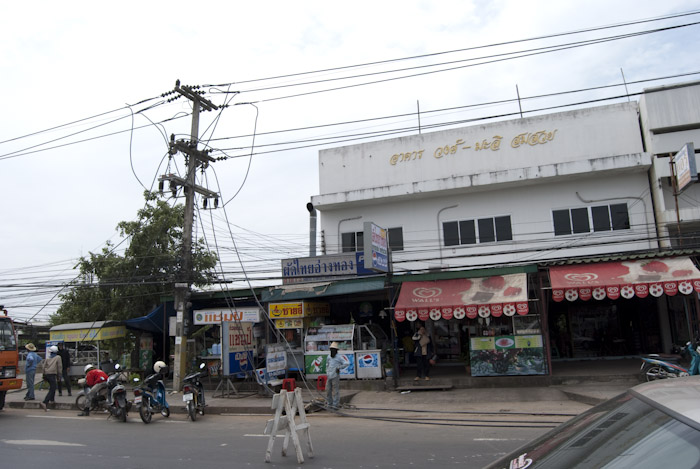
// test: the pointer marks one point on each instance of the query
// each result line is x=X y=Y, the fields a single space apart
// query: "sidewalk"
x=587 y=382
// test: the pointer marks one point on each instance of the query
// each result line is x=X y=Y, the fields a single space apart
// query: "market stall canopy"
x=624 y=279
x=88 y=331
x=154 y=322
x=470 y=297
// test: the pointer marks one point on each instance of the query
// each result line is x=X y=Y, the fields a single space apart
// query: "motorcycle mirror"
x=136 y=380
x=117 y=367
x=201 y=366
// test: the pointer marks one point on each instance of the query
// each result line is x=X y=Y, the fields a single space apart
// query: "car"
x=652 y=425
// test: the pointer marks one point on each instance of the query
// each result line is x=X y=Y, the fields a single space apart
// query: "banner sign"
x=684 y=167
x=276 y=359
x=318 y=268
x=216 y=316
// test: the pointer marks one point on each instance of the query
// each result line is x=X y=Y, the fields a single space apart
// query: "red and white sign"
x=627 y=278
x=471 y=295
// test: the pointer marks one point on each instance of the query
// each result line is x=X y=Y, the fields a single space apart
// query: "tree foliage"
x=111 y=286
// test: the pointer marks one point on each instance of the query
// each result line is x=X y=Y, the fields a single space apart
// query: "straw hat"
x=334 y=345
x=30 y=347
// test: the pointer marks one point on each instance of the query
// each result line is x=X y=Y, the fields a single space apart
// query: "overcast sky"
x=73 y=73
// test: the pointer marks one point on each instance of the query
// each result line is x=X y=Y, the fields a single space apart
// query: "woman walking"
x=52 y=367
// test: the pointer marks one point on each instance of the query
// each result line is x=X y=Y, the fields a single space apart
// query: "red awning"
x=470 y=297
x=624 y=279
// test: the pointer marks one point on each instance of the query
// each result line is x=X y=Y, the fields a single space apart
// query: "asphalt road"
x=369 y=438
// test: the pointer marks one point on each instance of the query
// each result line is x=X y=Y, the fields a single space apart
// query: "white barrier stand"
x=290 y=403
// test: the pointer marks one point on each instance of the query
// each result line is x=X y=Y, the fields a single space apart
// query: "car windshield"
x=7 y=336
x=623 y=433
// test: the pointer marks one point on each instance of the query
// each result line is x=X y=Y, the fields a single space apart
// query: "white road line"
x=39 y=443
x=498 y=439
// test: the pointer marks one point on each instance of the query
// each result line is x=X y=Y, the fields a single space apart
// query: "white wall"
x=436 y=161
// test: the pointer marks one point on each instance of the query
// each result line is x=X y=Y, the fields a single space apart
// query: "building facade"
x=580 y=186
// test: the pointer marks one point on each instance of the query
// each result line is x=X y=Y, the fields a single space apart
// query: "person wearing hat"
x=52 y=367
x=30 y=364
x=333 y=366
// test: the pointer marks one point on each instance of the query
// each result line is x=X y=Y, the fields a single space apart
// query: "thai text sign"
x=301 y=309
x=216 y=316
x=79 y=335
x=376 y=247
x=685 y=169
x=317 y=268
x=238 y=336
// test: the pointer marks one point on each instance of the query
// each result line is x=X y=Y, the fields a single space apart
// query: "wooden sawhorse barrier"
x=290 y=403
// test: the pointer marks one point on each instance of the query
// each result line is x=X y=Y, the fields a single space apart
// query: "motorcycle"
x=150 y=397
x=656 y=366
x=193 y=392
x=111 y=397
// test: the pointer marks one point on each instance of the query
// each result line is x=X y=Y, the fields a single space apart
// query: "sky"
x=84 y=130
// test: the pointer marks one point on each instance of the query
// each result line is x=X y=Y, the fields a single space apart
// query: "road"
x=364 y=438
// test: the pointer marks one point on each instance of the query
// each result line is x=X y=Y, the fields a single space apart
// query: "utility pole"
x=195 y=159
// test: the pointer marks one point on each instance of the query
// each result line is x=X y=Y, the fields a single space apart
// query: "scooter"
x=193 y=392
x=111 y=397
x=656 y=366
x=150 y=397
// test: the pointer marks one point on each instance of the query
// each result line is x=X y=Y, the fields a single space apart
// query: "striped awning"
x=624 y=279
x=465 y=297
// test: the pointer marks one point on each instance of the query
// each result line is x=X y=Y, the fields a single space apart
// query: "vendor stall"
x=358 y=344
x=292 y=320
x=93 y=332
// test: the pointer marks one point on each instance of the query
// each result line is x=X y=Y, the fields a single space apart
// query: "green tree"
x=117 y=287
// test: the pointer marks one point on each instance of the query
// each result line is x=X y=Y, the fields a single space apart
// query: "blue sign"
x=240 y=362
x=377 y=248
x=350 y=370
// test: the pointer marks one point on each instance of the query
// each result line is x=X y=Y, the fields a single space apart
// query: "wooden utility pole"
x=195 y=159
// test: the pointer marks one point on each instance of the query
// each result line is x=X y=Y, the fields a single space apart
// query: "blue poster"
x=350 y=370
x=240 y=362
x=368 y=360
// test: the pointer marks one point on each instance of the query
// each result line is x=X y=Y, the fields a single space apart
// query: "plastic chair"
x=289 y=384
x=321 y=382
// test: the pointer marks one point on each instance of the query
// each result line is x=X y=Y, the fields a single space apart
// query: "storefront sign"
x=80 y=335
x=301 y=309
x=684 y=167
x=507 y=355
x=332 y=267
x=376 y=247
x=216 y=316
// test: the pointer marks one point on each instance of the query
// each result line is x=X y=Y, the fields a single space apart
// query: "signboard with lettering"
x=217 y=315
x=299 y=309
x=684 y=167
x=376 y=248
x=238 y=347
x=332 y=267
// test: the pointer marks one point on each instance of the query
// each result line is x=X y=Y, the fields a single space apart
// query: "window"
x=465 y=231
x=353 y=242
x=578 y=220
x=395 y=239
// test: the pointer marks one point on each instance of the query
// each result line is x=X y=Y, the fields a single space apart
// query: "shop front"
x=292 y=320
x=622 y=308
x=487 y=322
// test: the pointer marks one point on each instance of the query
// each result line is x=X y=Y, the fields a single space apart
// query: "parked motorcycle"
x=111 y=397
x=193 y=392
x=149 y=397
x=656 y=366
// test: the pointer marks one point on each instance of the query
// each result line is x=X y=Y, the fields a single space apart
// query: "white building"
x=534 y=191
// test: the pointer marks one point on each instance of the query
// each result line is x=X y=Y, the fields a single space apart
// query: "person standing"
x=30 y=364
x=65 y=359
x=52 y=367
x=423 y=349
x=335 y=364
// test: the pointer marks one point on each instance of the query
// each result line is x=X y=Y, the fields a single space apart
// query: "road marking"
x=498 y=439
x=56 y=417
x=263 y=435
x=39 y=443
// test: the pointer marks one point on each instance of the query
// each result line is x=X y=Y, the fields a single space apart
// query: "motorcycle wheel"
x=80 y=401
x=165 y=412
x=145 y=412
x=654 y=372
x=122 y=414
x=191 y=411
